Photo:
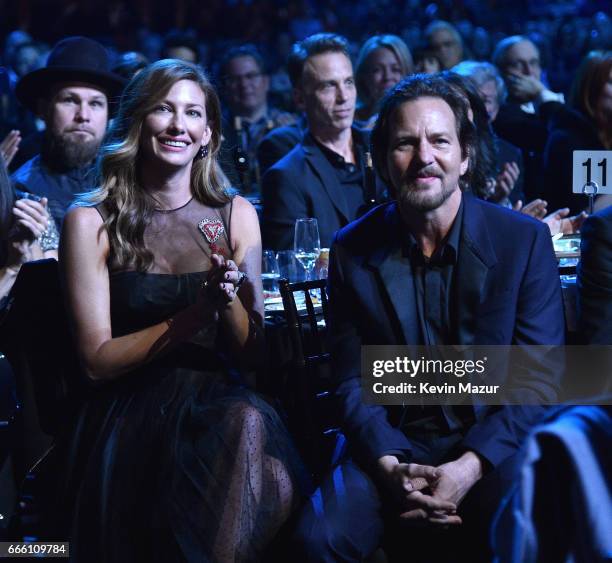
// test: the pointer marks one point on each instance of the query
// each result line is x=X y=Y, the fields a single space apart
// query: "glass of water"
x=306 y=244
x=270 y=273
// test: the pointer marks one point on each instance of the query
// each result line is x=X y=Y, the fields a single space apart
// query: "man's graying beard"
x=63 y=152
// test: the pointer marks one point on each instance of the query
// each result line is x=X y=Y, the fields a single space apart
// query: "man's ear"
x=298 y=99
x=465 y=164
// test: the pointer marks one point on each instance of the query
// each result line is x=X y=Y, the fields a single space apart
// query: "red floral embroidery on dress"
x=212 y=229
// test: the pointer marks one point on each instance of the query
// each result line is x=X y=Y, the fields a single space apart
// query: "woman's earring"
x=203 y=152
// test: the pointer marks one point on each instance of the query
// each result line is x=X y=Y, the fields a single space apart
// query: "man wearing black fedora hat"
x=71 y=94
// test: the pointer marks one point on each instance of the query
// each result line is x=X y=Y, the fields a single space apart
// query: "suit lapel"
x=476 y=258
x=395 y=274
x=326 y=174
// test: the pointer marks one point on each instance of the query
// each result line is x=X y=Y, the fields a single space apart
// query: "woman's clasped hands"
x=223 y=281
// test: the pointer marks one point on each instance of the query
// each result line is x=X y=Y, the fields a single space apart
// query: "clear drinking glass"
x=270 y=273
x=306 y=244
x=288 y=266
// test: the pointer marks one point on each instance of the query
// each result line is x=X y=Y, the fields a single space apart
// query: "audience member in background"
x=595 y=279
x=382 y=62
x=585 y=125
x=195 y=465
x=445 y=42
x=128 y=65
x=324 y=176
x=22 y=55
x=425 y=61
x=523 y=119
x=180 y=45
x=72 y=95
x=17 y=122
x=489 y=85
x=27 y=232
x=248 y=117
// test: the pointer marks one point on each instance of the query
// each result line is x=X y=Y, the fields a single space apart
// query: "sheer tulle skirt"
x=174 y=465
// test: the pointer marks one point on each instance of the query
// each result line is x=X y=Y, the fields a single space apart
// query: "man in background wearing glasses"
x=248 y=116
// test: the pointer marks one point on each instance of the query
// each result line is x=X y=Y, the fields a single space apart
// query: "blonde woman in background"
x=382 y=62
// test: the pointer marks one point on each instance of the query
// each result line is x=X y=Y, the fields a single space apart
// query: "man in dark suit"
x=595 y=279
x=524 y=118
x=279 y=142
x=436 y=266
x=324 y=176
x=248 y=116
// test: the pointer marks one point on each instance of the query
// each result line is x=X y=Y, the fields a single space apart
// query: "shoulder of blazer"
x=377 y=228
x=487 y=227
x=294 y=162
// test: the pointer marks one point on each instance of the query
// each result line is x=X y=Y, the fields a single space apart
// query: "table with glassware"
x=308 y=261
x=567 y=251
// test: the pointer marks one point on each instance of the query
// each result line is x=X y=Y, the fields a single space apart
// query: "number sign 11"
x=590 y=172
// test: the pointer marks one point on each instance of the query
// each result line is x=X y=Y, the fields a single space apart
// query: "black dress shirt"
x=433 y=281
x=350 y=176
x=436 y=312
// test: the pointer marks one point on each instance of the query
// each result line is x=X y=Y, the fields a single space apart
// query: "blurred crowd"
x=563 y=31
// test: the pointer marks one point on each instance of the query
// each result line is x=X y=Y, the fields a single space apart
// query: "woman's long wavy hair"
x=128 y=205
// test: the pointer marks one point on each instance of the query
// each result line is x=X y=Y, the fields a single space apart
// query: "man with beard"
x=434 y=267
x=72 y=95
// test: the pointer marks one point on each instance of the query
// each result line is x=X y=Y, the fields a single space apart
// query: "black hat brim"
x=36 y=84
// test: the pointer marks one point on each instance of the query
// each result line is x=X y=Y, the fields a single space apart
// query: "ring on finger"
x=242 y=276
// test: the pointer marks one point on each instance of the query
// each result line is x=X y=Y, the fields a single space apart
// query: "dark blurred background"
x=564 y=30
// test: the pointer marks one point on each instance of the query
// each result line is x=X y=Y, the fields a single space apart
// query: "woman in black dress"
x=173 y=456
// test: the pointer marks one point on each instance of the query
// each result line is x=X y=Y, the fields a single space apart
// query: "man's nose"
x=424 y=152
x=83 y=112
x=341 y=94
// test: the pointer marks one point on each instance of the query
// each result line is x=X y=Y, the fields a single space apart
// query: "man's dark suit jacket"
x=595 y=279
x=304 y=184
x=508 y=292
x=277 y=143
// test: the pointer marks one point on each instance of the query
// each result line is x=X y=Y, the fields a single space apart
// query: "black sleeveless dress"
x=177 y=461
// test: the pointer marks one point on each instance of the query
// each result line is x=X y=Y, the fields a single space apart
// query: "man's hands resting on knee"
x=431 y=493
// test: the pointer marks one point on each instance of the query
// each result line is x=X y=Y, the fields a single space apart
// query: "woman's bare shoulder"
x=83 y=223
x=244 y=217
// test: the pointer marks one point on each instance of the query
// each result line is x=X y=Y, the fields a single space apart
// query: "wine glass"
x=306 y=244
